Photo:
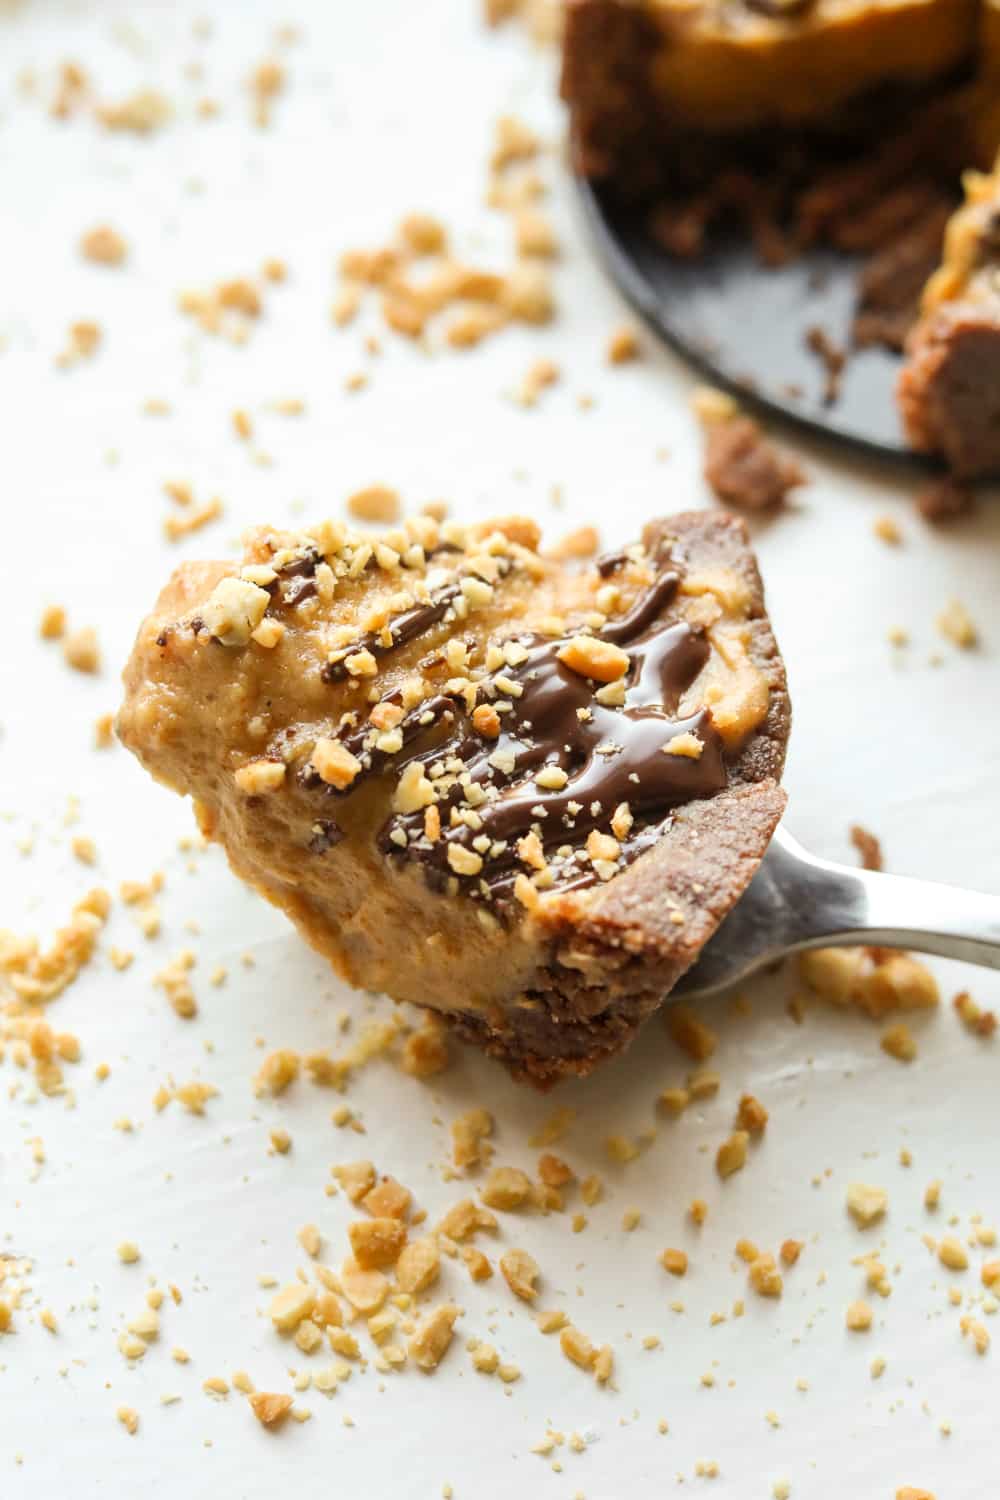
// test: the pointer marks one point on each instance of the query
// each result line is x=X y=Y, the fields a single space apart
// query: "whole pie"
x=520 y=795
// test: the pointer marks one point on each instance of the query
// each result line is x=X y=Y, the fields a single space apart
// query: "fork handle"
x=894 y=911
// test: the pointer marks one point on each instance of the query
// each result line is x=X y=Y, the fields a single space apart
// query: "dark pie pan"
x=744 y=326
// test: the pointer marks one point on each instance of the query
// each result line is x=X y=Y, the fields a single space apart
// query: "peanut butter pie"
x=520 y=795
x=801 y=122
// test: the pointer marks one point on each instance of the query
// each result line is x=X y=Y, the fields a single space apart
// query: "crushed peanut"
x=866 y=1204
x=956 y=625
x=732 y=1154
x=690 y=1033
x=674 y=1261
x=430 y=1343
x=506 y=1188
x=269 y=1408
x=376 y=1243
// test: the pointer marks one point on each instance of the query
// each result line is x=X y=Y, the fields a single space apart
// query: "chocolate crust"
x=949 y=388
x=630 y=937
x=702 y=864
x=605 y=81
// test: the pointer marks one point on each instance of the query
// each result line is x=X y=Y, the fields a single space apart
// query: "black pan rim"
x=637 y=290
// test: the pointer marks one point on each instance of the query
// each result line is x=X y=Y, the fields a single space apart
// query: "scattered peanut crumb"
x=103 y=245
x=129 y=1418
x=674 y=1100
x=277 y=1071
x=376 y=1243
x=269 y=1408
x=521 y=1272
x=539 y=376
x=674 y=1261
x=953 y=1254
x=898 y=1042
x=84 y=849
x=140 y=113
x=982 y=1023
x=470 y=1134
x=751 y=1115
x=866 y=1204
x=876 y=984
x=554 y=1128
x=764 y=1276
x=376 y=503
x=956 y=625
x=104 y=731
x=310 y=1239
x=431 y=1340
x=425 y=1052
x=81 y=651
x=581 y=543
x=83 y=342
x=623 y=345
x=174 y=981
x=690 y=1033
x=176 y=527
x=52 y=625
x=513 y=142
x=886 y=528
x=868 y=847
x=732 y=1154
x=506 y=1188
x=704 y=1084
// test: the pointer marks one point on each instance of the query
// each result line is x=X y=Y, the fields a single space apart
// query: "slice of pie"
x=522 y=796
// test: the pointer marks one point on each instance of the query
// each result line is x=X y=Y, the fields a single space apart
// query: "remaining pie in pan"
x=664 y=92
x=522 y=796
x=845 y=123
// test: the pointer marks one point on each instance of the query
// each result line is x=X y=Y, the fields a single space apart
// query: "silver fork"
x=797 y=901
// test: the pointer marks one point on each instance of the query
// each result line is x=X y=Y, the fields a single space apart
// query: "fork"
x=797 y=901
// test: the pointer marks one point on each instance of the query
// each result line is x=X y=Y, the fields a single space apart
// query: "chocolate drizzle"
x=610 y=562
x=361 y=742
x=610 y=754
x=297 y=579
x=403 y=628
x=647 y=608
x=594 y=755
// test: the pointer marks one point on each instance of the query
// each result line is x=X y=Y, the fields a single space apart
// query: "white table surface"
x=388 y=108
